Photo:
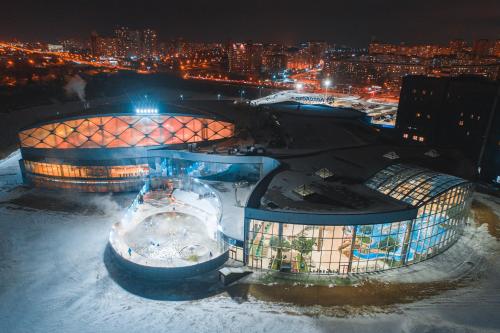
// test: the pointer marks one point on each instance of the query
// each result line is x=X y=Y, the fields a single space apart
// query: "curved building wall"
x=107 y=153
x=357 y=248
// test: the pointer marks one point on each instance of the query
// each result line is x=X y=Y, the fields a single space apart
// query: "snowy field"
x=56 y=275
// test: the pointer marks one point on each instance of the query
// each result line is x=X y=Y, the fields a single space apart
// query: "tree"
x=365 y=229
x=278 y=243
x=303 y=245
x=388 y=244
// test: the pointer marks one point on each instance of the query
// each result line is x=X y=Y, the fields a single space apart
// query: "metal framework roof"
x=125 y=131
x=411 y=184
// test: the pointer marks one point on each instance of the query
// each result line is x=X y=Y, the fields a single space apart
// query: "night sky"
x=353 y=23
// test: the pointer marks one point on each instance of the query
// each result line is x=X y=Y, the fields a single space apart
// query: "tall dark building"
x=245 y=58
x=149 y=43
x=93 y=44
x=482 y=47
x=104 y=46
x=129 y=42
x=455 y=112
x=275 y=63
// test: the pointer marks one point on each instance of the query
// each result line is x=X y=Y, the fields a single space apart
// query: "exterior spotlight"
x=146 y=110
x=299 y=86
x=327 y=83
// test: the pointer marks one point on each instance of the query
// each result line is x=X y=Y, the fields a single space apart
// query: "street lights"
x=327 y=83
x=242 y=92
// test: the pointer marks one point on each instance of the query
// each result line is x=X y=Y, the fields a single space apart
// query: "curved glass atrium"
x=441 y=201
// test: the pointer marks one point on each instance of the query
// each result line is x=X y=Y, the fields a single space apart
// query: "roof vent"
x=432 y=153
x=304 y=190
x=391 y=155
x=324 y=173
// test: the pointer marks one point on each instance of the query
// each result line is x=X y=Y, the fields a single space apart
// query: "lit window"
x=421 y=139
x=405 y=135
x=461 y=123
x=415 y=137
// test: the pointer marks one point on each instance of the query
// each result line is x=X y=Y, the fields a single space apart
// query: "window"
x=74 y=171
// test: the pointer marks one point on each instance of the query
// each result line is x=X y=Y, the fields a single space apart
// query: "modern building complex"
x=334 y=201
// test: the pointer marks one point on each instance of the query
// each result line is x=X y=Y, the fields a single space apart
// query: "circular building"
x=107 y=152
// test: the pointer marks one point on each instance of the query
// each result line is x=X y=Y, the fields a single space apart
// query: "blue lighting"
x=146 y=110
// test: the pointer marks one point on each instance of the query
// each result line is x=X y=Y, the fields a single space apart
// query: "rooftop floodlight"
x=146 y=110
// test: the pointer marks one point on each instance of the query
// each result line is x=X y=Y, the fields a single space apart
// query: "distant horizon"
x=352 y=24
x=291 y=44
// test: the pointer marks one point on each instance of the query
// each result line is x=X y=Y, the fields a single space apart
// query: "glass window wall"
x=324 y=249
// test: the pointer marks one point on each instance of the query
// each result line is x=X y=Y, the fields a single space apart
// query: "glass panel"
x=116 y=126
x=102 y=138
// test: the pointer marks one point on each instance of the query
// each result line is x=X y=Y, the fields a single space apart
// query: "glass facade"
x=326 y=249
x=214 y=171
x=125 y=132
x=86 y=185
x=75 y=171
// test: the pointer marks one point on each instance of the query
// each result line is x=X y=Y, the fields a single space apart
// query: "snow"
x=55 y=277
x=160 y=232
x=232 y=213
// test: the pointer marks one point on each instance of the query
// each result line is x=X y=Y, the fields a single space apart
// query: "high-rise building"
x=129 y=42
x=104 y=46
x=497 y=48
x=462 y=113
x=314 y=51
x=244 y=58
x=149 y=43
x=482 y=47
x=457 y=46
x=93 y=44
x=275 y=63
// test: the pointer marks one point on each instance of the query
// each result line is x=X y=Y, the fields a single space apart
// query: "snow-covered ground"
x=56 y=276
